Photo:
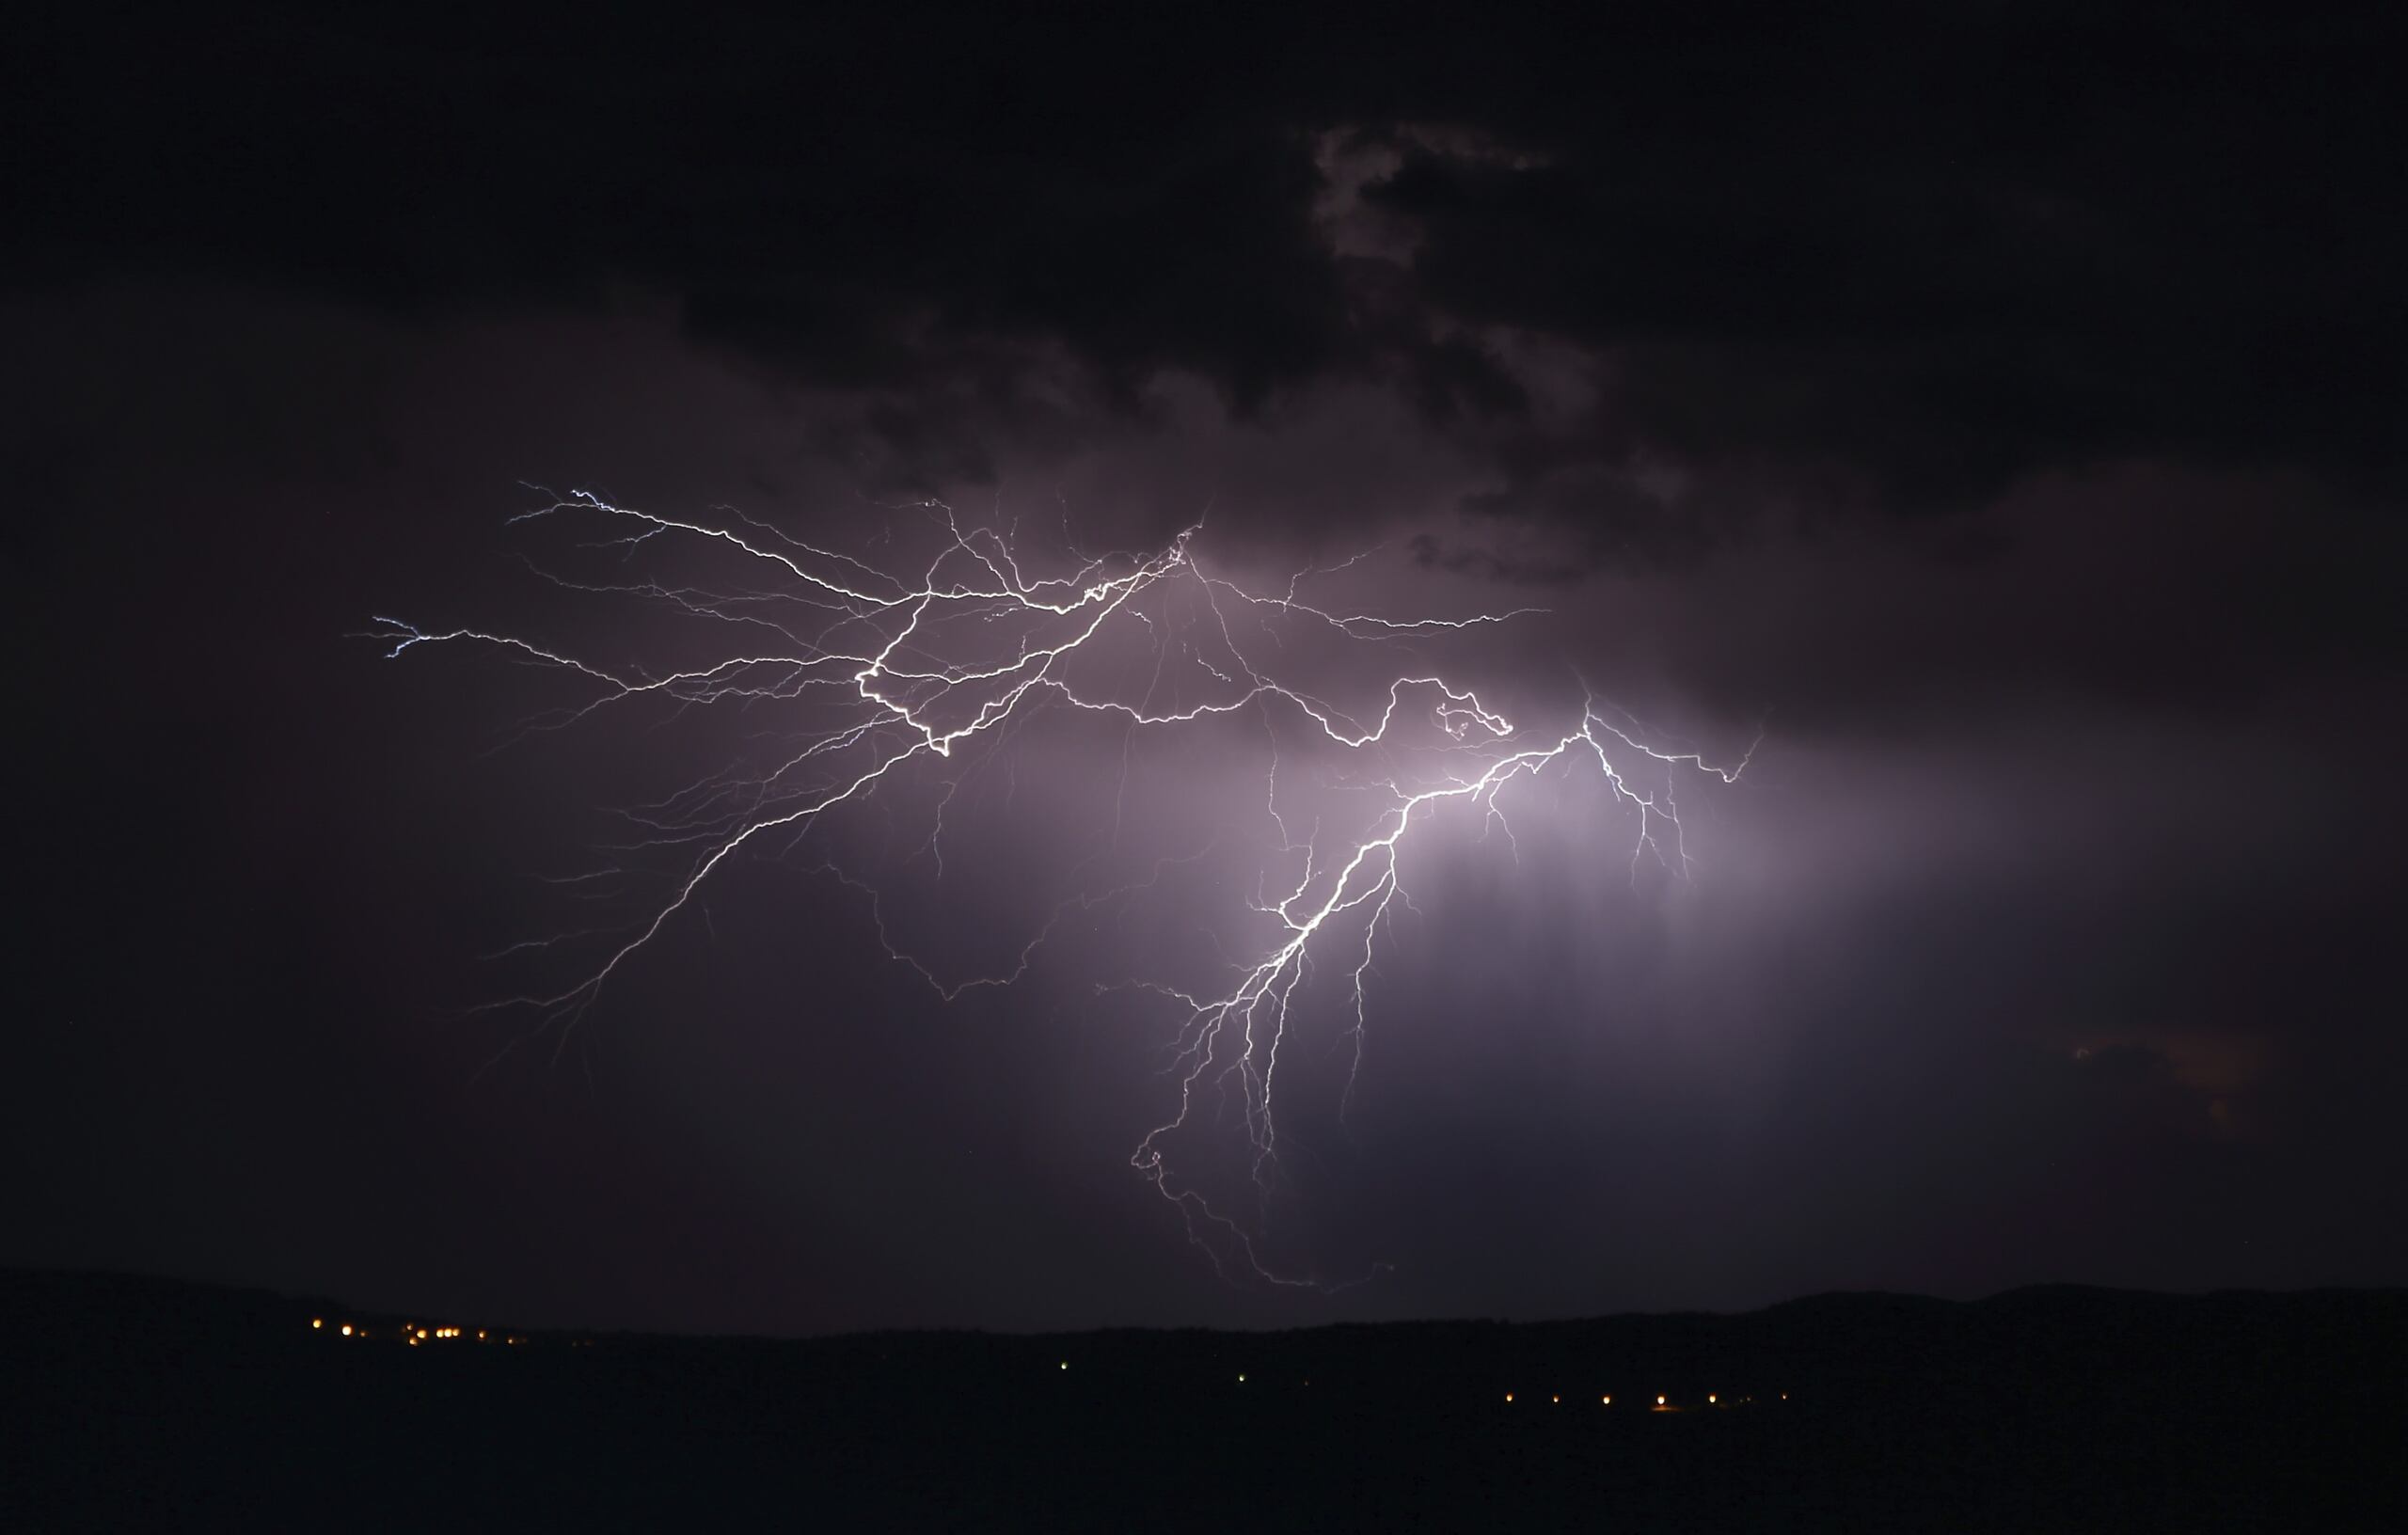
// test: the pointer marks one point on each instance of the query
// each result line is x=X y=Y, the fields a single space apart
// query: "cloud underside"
x=1659 y=277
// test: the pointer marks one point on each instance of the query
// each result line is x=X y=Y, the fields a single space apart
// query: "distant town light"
x=317 y=1322
x=1709 y=1399
x=1066 y=1364
x=1660 y=1402
x=1241 y=1377
x=1509 y=1395
x=1555 y=1400
x=1606 y=1401
x=421 y=1331
x=346 y=1329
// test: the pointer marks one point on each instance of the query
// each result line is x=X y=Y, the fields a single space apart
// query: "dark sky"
x=2000 y=414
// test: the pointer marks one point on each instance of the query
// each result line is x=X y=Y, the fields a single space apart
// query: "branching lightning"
x=894 y=675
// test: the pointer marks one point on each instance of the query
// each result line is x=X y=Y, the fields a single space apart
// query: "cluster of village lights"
x=1663 y=1404
x=414 y=1334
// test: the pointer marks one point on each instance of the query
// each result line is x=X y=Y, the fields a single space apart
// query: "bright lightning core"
x=875 y=689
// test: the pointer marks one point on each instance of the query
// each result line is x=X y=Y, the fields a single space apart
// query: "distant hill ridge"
x=136 y=1403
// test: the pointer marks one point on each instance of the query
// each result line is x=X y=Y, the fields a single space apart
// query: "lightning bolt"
x=899 y=674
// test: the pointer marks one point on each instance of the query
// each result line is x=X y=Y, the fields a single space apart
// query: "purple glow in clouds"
x=875 y=684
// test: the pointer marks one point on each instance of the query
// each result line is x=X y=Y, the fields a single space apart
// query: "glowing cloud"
x=883 y=678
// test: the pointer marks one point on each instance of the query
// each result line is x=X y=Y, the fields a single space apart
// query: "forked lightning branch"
x=893 y=675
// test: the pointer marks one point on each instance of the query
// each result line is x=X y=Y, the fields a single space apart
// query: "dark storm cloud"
x=856 y=199
x=1915 y=256
x=1846 y=1056
x=2002 y=404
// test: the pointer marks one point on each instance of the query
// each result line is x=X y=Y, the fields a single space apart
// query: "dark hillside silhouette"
x=140 y=1403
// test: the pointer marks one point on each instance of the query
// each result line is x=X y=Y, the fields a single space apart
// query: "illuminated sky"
x=1994 y=426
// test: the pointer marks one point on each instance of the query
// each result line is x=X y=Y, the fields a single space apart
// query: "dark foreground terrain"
x=135 y=1404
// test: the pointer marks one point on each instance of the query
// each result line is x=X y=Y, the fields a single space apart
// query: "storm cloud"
x=1995 y=413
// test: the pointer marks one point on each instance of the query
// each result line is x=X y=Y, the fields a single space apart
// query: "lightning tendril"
x=900 y=674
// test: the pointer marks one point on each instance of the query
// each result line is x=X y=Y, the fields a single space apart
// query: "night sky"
x=1995 y=422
